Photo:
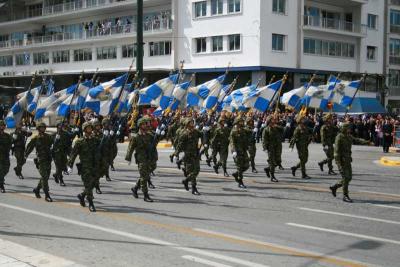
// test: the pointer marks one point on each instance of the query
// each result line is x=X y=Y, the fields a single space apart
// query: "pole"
x=72 y=98
x=358 y=88
x=139 y=38
x=279 y=91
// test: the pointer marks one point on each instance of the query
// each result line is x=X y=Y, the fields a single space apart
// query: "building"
x=259 y=38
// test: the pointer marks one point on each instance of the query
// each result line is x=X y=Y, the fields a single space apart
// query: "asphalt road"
x=290 y=223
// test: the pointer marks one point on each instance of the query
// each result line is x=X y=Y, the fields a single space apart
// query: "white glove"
x=205 y=145
x=197 y=127
x=118 y=132
x=158 y=131
x=162 y=133
x=69 y=170
x=234 y=155
x=225 y=125
x=15 y=136
x=255 y=130
x=23 y=128
x=29 y=130
x=58 y=137
x=215 y=123
x=163 y=126
x=263 y=125
x=179 y=155
x=76 y=130
x=206 y=128
x=111 y=132
x=106 y=132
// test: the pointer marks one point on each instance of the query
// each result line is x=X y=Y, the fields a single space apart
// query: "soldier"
x=42 y=143
x=239 y=140
x=272 y=136
x=143 y=145
x=188 y=144
x=252 y=144
x=220 y=145
x=19 y=141
x=5 y=148
x=328 y=134
x=61 y=143
x=301 y=138
x=343 y=143
x=86 y=148
x=108 y=147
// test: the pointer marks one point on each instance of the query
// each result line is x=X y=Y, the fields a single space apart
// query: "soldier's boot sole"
x=305 y=177
x=2 y=189
x=92 y=208
x=55 y=178
x=62 y=182
x=273 y=178
x=215 y=167
x=47 y=197
x=108 y=179
x=293 y=171
x=186 y=184
x=98 y=190
x=321 y=166
x=135 y=191
x=21 y=177
x=81 y=200
x=147 y=198
x=333 y=190
x=331 y=172
x=241 y=184
x=36 y=191
x=267 y=172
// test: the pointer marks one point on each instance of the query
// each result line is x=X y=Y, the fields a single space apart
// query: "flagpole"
x=334 y=87
x=26 y=114
x=363 y=79
x=123 y=87
x=78 y=122
x=284 y=79
x=72 y=98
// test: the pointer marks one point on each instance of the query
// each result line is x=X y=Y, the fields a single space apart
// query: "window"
x=278 y=42
x=234 y=42
x=371 y=53
x=234 y=6
x=394 y=78
x=216 y=7
x=217 y=43
x=279 y=6
x=328 y=48
x=6 y=61
x=160 y=48
x=201 y=45
x=83 y=54
x=23 y=59
x=61 y=56
x=200 y=9
x=129 y=51
x=372 y=20
x=108 y=52
x=40 y=58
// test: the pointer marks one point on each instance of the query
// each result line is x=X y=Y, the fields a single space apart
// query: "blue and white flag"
x=197 y=95
x=261 y=98
x=344 y=92
x=14 y=116
x=317 y=97
x=123 y=105
x=103 y=98
x=234 y=101
x=179 y=94
x=293 y=97
x=50 y=85
x=159 y=92
x=223 y=93
x=36 y=97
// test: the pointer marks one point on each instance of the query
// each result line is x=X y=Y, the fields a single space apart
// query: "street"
x=291 y=223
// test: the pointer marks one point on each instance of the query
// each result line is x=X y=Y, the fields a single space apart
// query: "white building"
x=259 y=38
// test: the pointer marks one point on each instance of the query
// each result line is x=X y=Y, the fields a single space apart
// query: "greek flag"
x=222 y=95
x=317 y=97
x=261 y=98
x=159 y=93
x=197 y=95
x=344 y=92
x=103 y=98
x=123 y=105
x=234 y=101
x=179 y=94
x=36 y=97
x=14 y=116
x=293 y=97
x=50 y=85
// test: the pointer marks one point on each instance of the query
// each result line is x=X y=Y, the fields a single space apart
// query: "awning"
x=361 y=105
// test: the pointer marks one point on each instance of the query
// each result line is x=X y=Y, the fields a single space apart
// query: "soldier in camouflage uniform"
x=220 y=145
x=143 y=145
x=86 y=148
x=19 y=140
x=343 y=143
x=239 y=140
x=188 y=143
x=172 y=133
x=328 y=134
x=5 y=148
x=272 y=136
x=102 y=159
x=42 y=143
x=61 y=144
x=252 y=144
x=301 y=138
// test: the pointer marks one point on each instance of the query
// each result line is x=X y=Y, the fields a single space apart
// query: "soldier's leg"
x=223 y=156
x=330 y=154
x=144 y=172
x=88 y=182
x=45 y=171
x=252 y=154
x=4 y=169
x=347 y=176
x=244 y=165
x=303 y=161
x=19 y=155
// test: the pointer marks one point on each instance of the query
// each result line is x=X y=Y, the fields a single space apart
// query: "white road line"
x=351 y=216
x=367 y=237
x=378 y=193
x=135 y=237
x=387 y=206
x=204 y=261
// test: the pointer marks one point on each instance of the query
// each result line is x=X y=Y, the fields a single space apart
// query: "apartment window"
x=234 y=42
x=40 y=58
x=129 y=51
x=279 y=6
x=22 y=59
x=372 y=21
x=160 y=48
x=394 y=78
x=83 y=54
x=61 y=56
x=6 y=61
x=108 y=52
x=216 y=7
x=201 y=45
x=234 y=6
x=217 y=43
x=371 y=53
x=200 y=9
x=328 y=48
x=394 y=51
x=278 y=42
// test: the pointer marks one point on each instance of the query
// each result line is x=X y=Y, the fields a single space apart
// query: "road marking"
x=345 y=233
x=204 y=261
x=135 y=237
x=351 y=216
x=387 y=206
x=18 y=255
x=379 y=193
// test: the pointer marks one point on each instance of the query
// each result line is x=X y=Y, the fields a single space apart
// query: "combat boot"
x=294 y=169
x=92 y=208
x=151 y=185
x=321 y=166
x=195 y=191
x=267 y=172
x=16 y=172
x=241 y=184
x=253 y=168
x=273 y=179
x=235 y=175
x=305 y=177
x=135 y=191
x=36 y=191
x=47 y=196
x=346 y=198
x=2 y=189
x=21 y=177
x=281 y=167
x=108 y=179
x=62 y=181
x=112 y=167
x=331 y=172
x=333 y=189
x=171 y=158
x=147 y=198
x=98 y=190
x=56 y=178
x=215 y=167
x=186 y=184
x=81 y=200
x=208 y=161
x=226 y=174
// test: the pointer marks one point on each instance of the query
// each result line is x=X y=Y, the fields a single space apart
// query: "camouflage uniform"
x=220 y=145
x=328 y=134
x=19 y=140
x=61 y=147
x=5 y=148
x=239 y=140
x=301 y=138
x=252 y=132
x=272 y=136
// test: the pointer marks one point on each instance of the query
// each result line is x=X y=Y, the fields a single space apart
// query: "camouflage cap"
x=141 y=121
x=41 y=124
x=105 y=122
x=2 y=123
x=345 y=126
x=86 y=124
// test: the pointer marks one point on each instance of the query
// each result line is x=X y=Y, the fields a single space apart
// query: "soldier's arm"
x=360 y=141
x=232 y=141
x=265 y=138
x=294 y=138
x=131 y=148
x=74 y=153
x=31 y=145
x=323 y=135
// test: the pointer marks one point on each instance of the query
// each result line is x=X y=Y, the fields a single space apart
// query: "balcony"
x=334 y=26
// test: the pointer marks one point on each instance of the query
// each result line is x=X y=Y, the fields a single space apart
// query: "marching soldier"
x=343 y=143
x=42 y=143
x=5 y=148
x=239 y=140
x=220 y=145
x=252 y=144
x=272 y=136
x=19 y=141
x=328 y=134
x=60 y=151
x=86 y=148
x=301 y=138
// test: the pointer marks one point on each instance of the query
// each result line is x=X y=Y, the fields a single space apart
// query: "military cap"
x=222 y=119
x=86 y=124
x=141 y=121
x=345 y=126
x=41 y=124
x=105 y=122
x=2 y=123
x=327 y=117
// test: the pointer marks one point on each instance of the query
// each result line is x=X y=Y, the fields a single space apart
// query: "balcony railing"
x=395 y=2
x=149 y=27
x=334 y=24
x=395 y=28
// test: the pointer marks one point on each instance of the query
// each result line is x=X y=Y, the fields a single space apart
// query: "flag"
x=317 y=97
x=197 y=95
x=261 y=98
x=36 y=96
x=14 y=116
x=50 y=85
x=234 y=101
x=179 y=94
x=103 y=98
x=123 y=104
x=75 y=99
x=293 y=97
x=344 y=92
x=222 y=94
x=159 y=92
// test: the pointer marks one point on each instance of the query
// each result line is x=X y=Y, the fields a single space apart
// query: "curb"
x=390 y=161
